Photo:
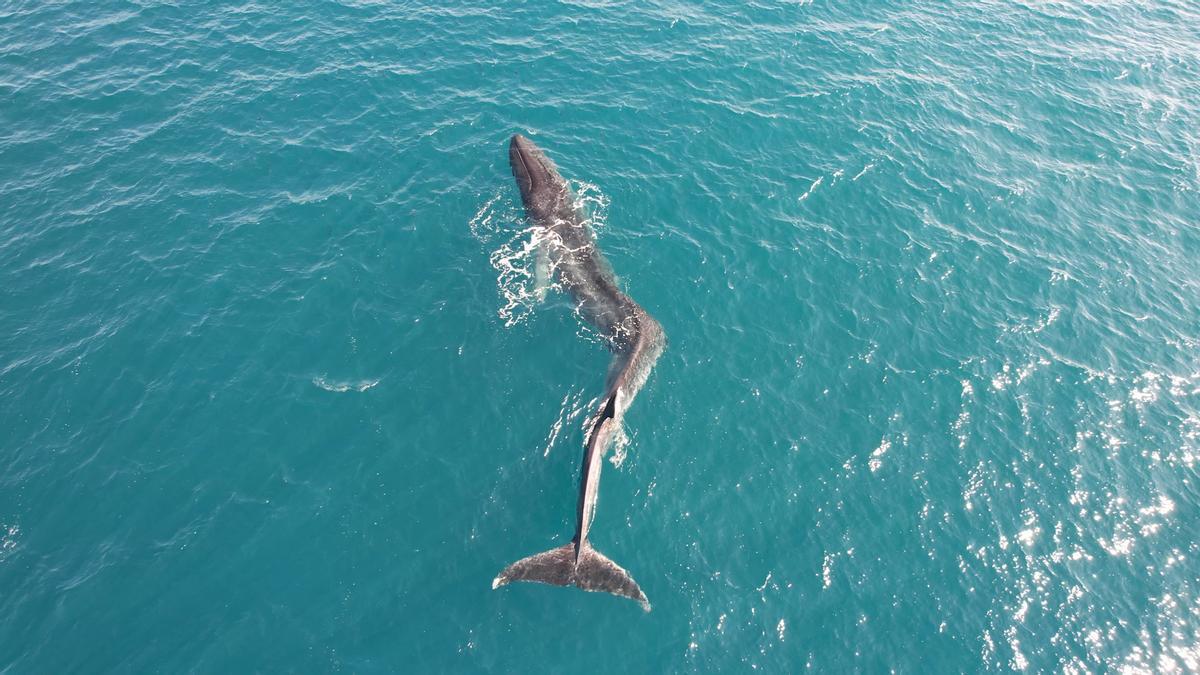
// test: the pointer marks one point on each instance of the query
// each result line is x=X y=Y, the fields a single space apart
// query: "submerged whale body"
x=635 y=339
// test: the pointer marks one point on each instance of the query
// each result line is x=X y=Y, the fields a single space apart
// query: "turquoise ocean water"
x=275 y=394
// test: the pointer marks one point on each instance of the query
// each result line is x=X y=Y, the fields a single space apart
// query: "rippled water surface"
x=276 y=393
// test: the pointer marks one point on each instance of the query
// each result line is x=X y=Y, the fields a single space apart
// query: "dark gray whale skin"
x=636 y=341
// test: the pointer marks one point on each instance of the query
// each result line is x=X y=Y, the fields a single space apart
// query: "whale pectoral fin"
x=541 y=271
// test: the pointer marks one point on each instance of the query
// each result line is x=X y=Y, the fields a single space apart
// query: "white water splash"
x=514 y=262
x=501 y=226
x=868 y=167
x=342 y=387
x=876 y=460
x=815 y=184
x=481 y=222
x=571 y=409
x=8 y=540
x=620 y=446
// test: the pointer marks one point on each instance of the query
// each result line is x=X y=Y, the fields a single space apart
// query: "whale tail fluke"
x=559 y=567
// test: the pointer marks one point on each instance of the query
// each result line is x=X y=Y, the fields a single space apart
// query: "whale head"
x=538 y=179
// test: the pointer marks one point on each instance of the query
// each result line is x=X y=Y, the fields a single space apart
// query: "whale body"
x=635 y=339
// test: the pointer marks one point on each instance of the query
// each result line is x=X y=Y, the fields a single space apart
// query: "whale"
x=567 y=250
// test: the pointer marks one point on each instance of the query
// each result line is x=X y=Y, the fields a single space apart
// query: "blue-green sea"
x=277 y=393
